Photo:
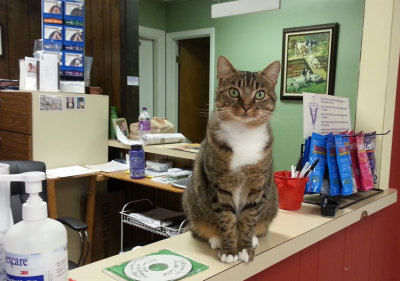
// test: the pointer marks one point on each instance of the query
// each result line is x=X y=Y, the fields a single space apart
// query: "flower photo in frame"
x=308 y=60
x=122 y=124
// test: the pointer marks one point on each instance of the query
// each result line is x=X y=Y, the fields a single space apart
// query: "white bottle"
x=144 y=123
x=36 y=247
x=6 y=220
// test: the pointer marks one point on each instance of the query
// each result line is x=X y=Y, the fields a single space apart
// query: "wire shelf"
x=129 y=215
x=161 y=230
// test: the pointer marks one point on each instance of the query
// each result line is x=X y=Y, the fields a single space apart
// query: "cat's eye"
x=260 y=95
x=233 y=92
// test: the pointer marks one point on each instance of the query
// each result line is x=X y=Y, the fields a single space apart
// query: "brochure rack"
x=145 y=215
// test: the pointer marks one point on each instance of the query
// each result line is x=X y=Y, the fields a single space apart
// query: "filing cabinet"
x=15 y=125
x=37 y=125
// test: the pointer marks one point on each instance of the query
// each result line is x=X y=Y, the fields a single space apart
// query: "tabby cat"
x=231 y=198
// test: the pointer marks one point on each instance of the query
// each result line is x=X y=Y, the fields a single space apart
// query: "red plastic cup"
x=290 y=190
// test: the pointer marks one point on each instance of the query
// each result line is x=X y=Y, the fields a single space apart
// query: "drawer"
x=16 y=112
x=15 y=146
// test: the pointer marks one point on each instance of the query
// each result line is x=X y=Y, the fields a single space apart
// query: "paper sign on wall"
x=325 y=114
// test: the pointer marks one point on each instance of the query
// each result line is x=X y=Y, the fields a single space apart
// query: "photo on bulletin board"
x=308 y=60
x=122 y=124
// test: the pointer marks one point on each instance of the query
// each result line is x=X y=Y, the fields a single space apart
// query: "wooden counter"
x=290 y=232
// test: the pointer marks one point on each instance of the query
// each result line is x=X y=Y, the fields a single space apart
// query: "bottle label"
x=51 y=265
x=144 y=125
x=137 y=166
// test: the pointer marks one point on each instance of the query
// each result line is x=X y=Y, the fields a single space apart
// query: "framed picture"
x=1 y=42
x=308 y=60
x=122 y=124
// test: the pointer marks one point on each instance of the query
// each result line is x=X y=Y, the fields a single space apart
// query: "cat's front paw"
x=254 y=242
x=227 y=258
x=246 y=255
x=215 y=242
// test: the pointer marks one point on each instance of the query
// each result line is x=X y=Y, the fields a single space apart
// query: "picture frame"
x=1 y=42
x=308 y=60
x=122 y=124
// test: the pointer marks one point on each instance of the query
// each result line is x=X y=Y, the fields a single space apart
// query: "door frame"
x=377 y=89
x=158 y=37
x=172 y=73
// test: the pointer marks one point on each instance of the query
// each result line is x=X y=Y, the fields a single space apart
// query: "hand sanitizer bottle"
x=36 y=247
x=6 y=220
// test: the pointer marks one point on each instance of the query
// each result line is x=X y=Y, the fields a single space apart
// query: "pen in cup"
x=311 y=168
x=303 y=171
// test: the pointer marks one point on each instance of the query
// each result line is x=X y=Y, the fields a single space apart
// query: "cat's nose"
x=246 y=107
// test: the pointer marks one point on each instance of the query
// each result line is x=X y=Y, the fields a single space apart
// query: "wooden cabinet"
x=55 y=135
x=15 y=126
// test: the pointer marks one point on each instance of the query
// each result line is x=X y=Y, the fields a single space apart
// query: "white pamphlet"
x=30 y=74
x=48 y=74
x=325 y=114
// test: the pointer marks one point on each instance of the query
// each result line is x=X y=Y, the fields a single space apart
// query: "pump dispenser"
x=36 y=247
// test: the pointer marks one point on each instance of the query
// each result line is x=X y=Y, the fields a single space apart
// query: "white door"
x=146 y=75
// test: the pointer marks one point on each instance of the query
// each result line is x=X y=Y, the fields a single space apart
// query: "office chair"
x=18 y=197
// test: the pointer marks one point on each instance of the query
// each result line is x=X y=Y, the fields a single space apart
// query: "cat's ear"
x=271 y=72
x=225 y=68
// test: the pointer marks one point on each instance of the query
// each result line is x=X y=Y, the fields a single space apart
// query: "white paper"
x=163 y=138
x=109 y=167
x=22 y=73
x=122 y=138
x=69 y=171
x=48 y=75
x=88 y=67
x=30 y=74
x=325 y=114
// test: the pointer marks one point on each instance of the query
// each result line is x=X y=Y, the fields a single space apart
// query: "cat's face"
x=246 y=97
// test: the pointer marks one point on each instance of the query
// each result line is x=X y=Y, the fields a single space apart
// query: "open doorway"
x=152 y=70
x=193 y=95
x=176 y=111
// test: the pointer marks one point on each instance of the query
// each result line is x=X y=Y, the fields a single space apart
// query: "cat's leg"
x=247 y=241
x=227 y=227
x=226 y=217
x=247 y=222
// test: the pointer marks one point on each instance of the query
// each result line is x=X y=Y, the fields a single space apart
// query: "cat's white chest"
x=247 y=143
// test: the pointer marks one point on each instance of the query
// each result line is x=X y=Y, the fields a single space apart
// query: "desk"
x=146 y=181
x=93 y=179
x=161 y=149
x=290 y=232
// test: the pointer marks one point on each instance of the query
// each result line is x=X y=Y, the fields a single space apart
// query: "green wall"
x=153 y=13
x=252 y=41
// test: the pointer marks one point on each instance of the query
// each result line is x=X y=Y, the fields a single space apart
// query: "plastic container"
x=113 y=115
x=36 y=247
x=137 y=162
x=5 y=216
x=290 y=190
x=144 y=123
